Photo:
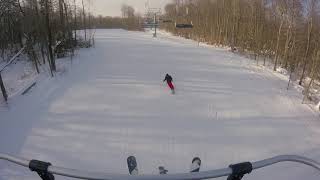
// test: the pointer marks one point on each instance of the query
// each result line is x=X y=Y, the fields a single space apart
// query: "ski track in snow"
x=112 y=103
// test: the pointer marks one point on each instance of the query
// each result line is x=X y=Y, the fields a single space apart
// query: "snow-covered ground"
x=21 y=74
x=17 y=76
x=112 y=103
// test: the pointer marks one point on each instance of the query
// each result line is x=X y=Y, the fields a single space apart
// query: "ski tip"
x=195 y=166
x=131 y=158
x=197 y=160
x=132 y=165
x=162 y=170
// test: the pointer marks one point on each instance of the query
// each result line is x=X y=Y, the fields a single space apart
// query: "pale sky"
x=113 y=7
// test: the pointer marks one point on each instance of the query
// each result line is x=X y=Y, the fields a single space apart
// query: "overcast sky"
x=113 y=7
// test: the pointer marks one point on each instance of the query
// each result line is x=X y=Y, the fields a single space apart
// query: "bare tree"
x=311 y=12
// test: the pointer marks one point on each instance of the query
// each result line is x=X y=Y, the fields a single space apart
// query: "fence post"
x=3 y=89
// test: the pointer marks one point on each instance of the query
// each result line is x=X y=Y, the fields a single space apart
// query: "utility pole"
x=155 y=25
x=152 y=13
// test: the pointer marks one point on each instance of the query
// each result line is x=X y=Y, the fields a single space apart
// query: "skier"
x=169 y=80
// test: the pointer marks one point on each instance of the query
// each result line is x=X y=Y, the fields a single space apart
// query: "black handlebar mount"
x=41 y=168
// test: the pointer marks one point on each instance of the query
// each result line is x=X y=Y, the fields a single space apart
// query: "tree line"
x=50 y=28
x=285 y=31
x=129 y=20
x=46 y=28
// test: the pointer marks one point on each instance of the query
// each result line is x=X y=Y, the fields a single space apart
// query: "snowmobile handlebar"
x=73 y=173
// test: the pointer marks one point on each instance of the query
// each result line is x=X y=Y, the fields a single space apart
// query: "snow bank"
x=282 y=71
x=18 y=75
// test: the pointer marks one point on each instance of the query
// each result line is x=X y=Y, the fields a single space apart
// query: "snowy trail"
x=112 y=103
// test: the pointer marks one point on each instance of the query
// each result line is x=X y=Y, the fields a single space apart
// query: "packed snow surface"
x=111 y=103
